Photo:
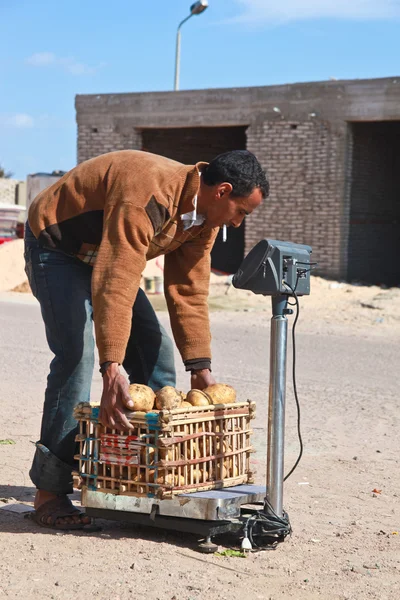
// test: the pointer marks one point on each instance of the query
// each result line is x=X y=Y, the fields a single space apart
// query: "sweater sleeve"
x=127 y=232
x=186 y=287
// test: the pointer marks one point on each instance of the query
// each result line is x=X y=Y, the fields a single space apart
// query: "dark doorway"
x=374 y=237
x=193 y=144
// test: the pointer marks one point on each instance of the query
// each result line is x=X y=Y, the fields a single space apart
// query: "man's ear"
x=224 y=189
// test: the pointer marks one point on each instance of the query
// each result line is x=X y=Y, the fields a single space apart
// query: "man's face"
x=222 y=209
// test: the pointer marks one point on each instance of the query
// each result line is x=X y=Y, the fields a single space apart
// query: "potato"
x=217 y=475
x=197 y=450
x=230 y=470
x=197 y=398
x=168 y=398
x=166 y=453
x=77 y=482
x=143 y=397
x=220 y=393
x=206 y=444
x=141 y=476
x=170 y=480
x=185 y=404
x=179 y=480
x=147 y=455
x=200 y=476
x=225 y=447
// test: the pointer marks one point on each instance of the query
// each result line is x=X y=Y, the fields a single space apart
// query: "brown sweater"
x=115 y=212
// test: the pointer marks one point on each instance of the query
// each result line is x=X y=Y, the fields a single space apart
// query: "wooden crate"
x=167 y=452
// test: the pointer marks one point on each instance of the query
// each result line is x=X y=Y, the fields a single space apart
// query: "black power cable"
x=265 y=530
x=294 y=377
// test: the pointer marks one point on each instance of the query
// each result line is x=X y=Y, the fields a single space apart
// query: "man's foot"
x=47 y=505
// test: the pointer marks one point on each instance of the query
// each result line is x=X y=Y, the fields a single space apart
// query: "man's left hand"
x=201 y=379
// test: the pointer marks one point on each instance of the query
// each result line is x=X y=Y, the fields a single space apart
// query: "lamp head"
x=198 y=7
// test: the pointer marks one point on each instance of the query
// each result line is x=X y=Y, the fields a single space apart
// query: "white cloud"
x=41 y=59
x=19 y=120
x=69 y=64
x=255 y=11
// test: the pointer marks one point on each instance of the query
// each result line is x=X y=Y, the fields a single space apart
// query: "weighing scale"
x=254 y=513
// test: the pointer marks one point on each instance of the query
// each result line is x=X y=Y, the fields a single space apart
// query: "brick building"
x=331 y=151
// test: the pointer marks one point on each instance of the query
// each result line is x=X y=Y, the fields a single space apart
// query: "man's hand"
x=115 y=399
x=201 y=379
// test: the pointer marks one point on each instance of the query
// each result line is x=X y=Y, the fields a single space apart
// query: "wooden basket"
x=167 y=452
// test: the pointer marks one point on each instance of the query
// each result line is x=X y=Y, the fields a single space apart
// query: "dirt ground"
x=343 y=499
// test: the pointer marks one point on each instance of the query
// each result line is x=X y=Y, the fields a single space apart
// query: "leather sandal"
x=58 y=508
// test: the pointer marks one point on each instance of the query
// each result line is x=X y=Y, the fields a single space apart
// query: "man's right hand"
x=201 y=379
x=115 y=399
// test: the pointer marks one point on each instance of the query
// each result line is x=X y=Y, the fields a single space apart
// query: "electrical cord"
x=294 y=378
x=300 y=274
x=264 y=530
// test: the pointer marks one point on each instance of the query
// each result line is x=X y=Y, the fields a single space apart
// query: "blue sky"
x=50 y=51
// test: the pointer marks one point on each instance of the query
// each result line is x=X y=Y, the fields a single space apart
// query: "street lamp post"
x=196 y=9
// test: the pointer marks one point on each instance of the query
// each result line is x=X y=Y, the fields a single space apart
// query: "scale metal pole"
x=276 y=406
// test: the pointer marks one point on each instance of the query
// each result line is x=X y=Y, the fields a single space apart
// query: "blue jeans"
x=62 y=285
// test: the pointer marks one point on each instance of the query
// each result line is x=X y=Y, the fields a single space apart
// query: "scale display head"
x=272 y=266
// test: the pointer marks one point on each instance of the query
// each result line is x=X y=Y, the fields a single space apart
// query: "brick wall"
x=104 y=137
x=303 y=164
x=302 y=160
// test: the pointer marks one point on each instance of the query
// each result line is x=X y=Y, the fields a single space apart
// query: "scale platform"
x=214 y=505
x=203 y=513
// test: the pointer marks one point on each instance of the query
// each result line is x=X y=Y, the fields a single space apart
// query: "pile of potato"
x=163 y=476
x=168 y=398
